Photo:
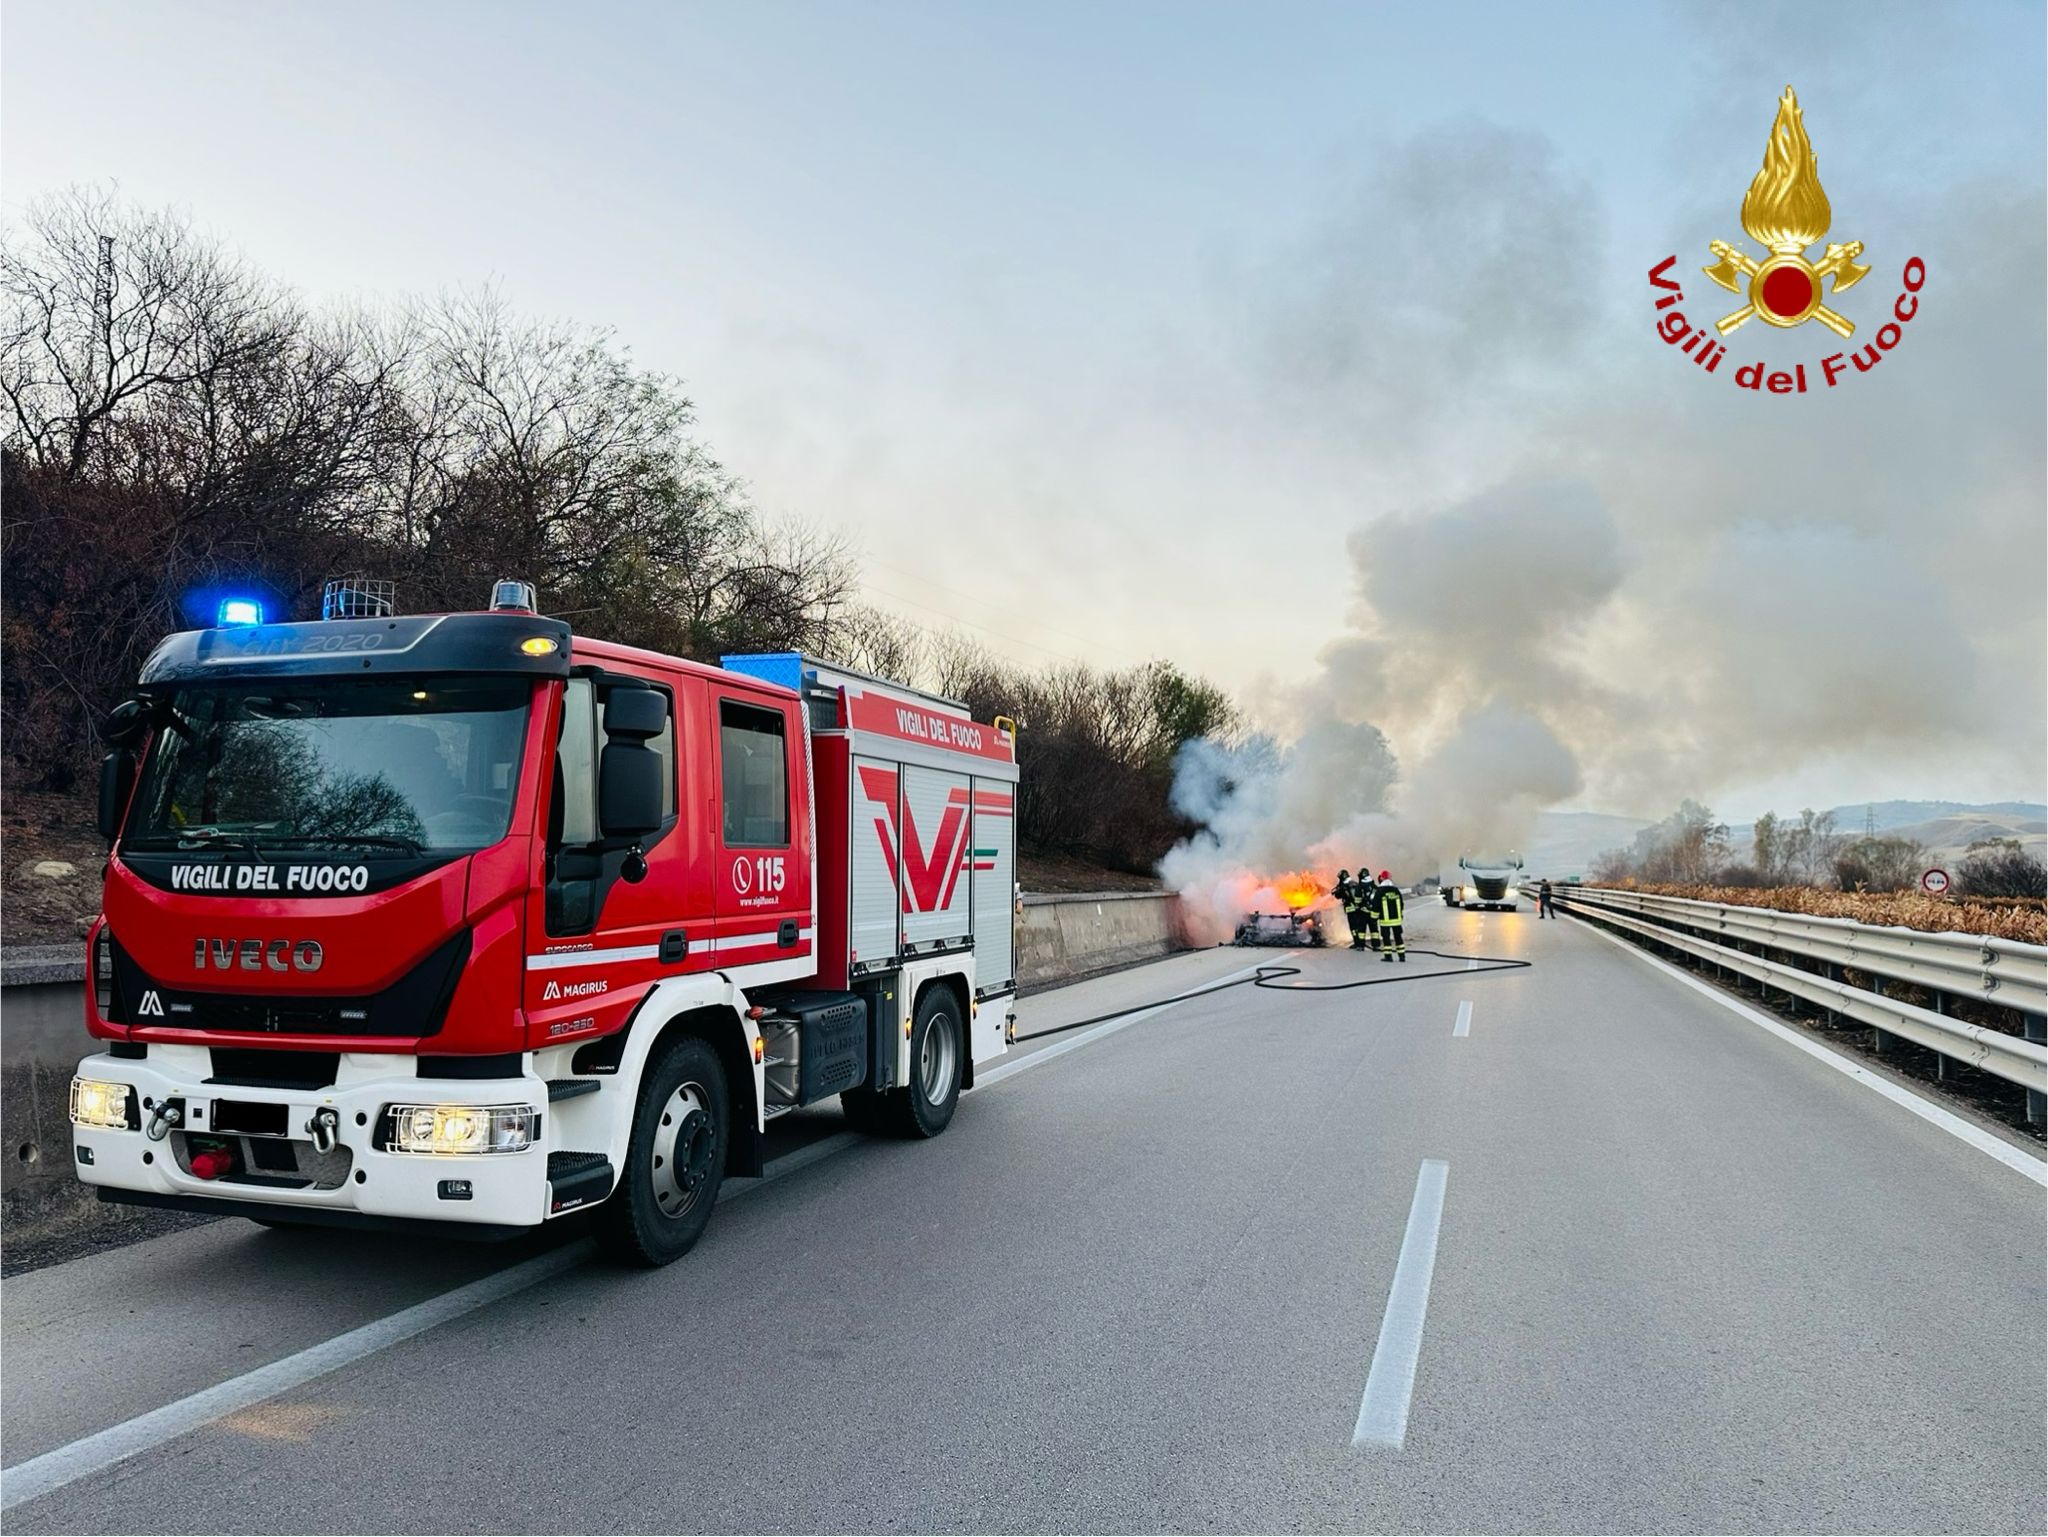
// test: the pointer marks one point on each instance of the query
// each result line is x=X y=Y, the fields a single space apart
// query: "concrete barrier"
x=42 y=1036
x=42 y=1027
x=1066 y=935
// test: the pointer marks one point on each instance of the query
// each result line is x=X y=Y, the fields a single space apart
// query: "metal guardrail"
x=1975 y=966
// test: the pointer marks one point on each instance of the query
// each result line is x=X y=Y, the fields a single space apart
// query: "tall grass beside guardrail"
x=2020 y=918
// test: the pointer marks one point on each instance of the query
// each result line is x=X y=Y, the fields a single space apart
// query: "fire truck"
x=468 y=922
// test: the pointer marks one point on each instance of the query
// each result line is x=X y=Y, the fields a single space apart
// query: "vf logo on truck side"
x=928 y=879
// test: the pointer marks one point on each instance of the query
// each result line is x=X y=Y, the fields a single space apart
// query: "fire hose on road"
x=1270 y=977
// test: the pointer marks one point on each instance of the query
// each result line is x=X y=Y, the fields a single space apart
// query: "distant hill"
x=1948 y=837
x=1892 y=816
x=1947 y=828
x=1568 y=842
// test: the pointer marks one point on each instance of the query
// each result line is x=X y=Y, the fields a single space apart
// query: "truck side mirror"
x=117 y=778
x=629 y=798
x=629 y=790
x=126 y=723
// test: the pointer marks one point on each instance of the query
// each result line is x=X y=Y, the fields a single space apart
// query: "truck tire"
x=938 y=1043
x=675 y=1159
x=938 y=1050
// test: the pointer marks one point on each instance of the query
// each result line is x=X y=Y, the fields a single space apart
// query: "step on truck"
x=469 y=922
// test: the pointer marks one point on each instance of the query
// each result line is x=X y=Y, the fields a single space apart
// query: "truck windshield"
x=396 y=765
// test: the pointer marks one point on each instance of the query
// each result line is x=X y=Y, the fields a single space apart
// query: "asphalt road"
x=1685 y=1278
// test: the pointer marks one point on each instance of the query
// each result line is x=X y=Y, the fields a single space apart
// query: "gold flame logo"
x=1785 y=211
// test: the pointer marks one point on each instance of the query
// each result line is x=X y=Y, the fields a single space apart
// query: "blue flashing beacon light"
x=236 y=611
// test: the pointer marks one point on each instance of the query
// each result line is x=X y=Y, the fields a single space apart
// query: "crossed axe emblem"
x=1839 y=263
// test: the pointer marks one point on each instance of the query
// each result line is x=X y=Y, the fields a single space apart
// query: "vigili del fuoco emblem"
x=1785 y=211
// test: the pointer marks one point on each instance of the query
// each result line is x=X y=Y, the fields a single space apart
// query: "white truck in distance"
x=1484 y=883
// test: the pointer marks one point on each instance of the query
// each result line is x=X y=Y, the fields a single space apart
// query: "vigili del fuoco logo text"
x=1786 y=212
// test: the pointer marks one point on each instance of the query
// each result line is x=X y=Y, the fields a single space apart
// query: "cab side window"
x=574 y=821
x=753 y=761
x=581 y=869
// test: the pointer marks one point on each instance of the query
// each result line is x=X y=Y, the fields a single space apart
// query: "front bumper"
x=356 y=1179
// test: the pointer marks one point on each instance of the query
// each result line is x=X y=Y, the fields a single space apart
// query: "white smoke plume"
x=1470 y=660
x=1581 y=572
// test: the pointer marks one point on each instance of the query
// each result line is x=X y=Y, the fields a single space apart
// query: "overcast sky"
x=1121 y=331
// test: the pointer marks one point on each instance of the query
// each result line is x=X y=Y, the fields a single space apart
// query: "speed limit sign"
x=1934 y=882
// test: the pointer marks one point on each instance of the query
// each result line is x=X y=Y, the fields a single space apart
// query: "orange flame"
x=1297 y=889
x=1785 y=207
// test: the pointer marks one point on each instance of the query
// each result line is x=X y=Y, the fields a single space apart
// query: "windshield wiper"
x=342 y=840
x=214 y=838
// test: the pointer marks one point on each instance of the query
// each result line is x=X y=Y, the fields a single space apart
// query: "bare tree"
x=1810 y=847
x=873 y=640
x=1880 y=864
x=106 y=305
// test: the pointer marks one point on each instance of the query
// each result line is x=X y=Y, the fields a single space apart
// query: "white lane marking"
x=41 y=1475
x=1464 y=1024
x=998 y=1073
x=1383 y=1411
x=1472 y=965
x=67 y=1464
x=90 y=1454
x=53 y=1470
x=1982 y=1140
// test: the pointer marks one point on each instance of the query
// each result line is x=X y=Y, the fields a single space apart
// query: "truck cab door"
x=598 y=938
x=762 y=867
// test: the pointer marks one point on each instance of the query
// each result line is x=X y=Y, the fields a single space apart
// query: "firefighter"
x=1347 y=894
x=1388 y=902
x=1366 y=932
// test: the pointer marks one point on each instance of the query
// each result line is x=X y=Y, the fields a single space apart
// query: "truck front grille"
x=415 y=1005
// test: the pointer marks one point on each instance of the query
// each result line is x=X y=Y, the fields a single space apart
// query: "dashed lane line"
x=1390 y=1384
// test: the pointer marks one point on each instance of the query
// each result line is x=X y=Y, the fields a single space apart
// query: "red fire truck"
x=469 y=921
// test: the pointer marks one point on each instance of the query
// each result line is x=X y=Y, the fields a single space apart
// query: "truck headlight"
x=95 y=1102
x=459 y=1128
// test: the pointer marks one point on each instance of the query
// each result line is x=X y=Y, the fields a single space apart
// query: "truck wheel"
x=675 y=1159
x=924 y=1106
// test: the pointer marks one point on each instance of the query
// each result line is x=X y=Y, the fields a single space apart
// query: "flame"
x=1298 y=889
x=1785 y=207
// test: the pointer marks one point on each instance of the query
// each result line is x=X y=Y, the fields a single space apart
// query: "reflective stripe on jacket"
x=1390 y=904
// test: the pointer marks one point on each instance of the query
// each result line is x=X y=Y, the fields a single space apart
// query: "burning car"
x=1291 y=930
x=1300 y=922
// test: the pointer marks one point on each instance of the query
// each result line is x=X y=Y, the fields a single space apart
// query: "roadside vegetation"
x=1806 y=865
x=2018 y=918
x=176 y=425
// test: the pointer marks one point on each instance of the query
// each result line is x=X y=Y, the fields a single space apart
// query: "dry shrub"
x=2020 y=918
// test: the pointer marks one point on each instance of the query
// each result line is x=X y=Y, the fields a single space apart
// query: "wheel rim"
x=937 y=1060
x=685 y=1147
